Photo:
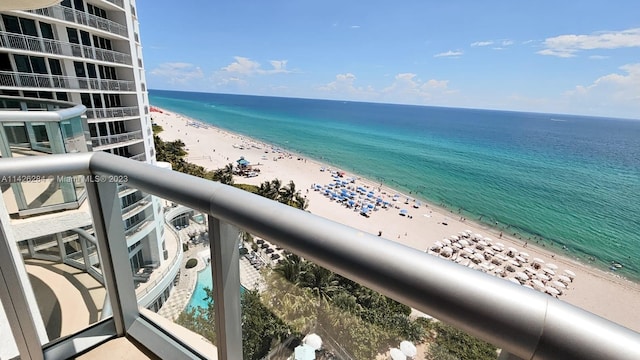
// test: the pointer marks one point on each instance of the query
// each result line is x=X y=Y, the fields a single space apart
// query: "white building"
x=72 y=80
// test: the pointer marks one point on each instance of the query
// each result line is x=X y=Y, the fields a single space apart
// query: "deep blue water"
x=560 y=180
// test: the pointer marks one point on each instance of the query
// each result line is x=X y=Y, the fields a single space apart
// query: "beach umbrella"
x=446 y=241
x=570 y=274
x=313 y=340
x=522 y=276
x=496 y=248
x=458 y=245
x=564 y=279
x=514 y=280
x=487 y=239
x=548 y=271
x=558 y=284
x=464 y=242
x=552 y=266
x=454 y=238
x=446 y=251
x=524 y=254
x=521 y=259
x=551 y=290
x=304 y=352
x=537 y=284
x=397 y=354
x=543 y=277
x=477 y=237
x=408 y=348
x=403 y=212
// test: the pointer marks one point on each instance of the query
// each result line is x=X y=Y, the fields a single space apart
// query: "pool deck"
x=250 y=278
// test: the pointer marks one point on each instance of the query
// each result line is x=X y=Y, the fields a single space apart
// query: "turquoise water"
x=571 y=183
x=198 y=296
x=204 y=281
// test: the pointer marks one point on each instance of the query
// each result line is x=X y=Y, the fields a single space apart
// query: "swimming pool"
x=204 y=280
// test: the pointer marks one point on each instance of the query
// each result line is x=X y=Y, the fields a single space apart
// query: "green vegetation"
x=191 y=263
x=261 y=328
x=285 y=194
x=451 y=343
x=310 y=298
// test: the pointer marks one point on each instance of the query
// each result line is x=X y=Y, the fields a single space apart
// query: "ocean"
x=569 y=183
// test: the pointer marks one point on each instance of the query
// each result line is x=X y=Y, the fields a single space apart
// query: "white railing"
x=18 y=79
x=100 y=113
x=116 y=139
x=49 y=46
x=79 y=17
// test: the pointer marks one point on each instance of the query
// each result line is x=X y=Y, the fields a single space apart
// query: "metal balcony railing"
x=32 y=80
x=101 y=113
x=116 y=139
x=49 y=46
x=80 y=17
x=526 y=324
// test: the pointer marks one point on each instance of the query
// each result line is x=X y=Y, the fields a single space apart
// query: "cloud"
x=245 y=66
x=481 y=43
x=405 y=88
x=598 y=57
x=619 y=92
x=355 y=26
x=507 y=42
x=566 y=46
x=450 y=53
x=177 y=72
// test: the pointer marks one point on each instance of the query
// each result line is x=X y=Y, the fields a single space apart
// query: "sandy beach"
x=600 y=292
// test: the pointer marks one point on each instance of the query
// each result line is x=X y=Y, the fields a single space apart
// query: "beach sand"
x=600 y=292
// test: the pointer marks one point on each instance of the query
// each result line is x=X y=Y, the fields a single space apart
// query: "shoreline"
x=222 y=147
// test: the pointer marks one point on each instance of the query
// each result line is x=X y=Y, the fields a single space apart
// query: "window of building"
x=79 y=5
x=72 y=34
x=56 y=68
x=28 y=27
x=79 y=67
x=62 y=96
x=46 y=30
x=38 y=64
x=86 y=38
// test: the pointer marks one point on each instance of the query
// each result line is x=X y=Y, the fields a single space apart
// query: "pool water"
x=199 y=295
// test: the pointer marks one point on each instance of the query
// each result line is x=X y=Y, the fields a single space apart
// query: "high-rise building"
x=72 y=80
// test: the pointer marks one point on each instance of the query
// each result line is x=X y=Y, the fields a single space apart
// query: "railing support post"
x=114 y=256
x=225 y=267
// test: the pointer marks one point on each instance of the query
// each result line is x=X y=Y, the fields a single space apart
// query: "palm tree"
x=300 y=202
x=291 y=268
x=287 y=193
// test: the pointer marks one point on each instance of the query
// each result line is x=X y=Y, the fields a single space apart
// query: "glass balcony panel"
x=67 y=295
x=164 y=281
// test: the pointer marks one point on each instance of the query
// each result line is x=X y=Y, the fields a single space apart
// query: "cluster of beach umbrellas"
x=482 y=253
x=357 y=198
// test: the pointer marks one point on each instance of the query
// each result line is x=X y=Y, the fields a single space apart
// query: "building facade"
x=72 y=80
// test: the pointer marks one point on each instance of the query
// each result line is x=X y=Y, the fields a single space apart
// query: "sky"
x=566 y=57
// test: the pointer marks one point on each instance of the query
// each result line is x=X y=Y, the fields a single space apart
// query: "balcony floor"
x=119 y=348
